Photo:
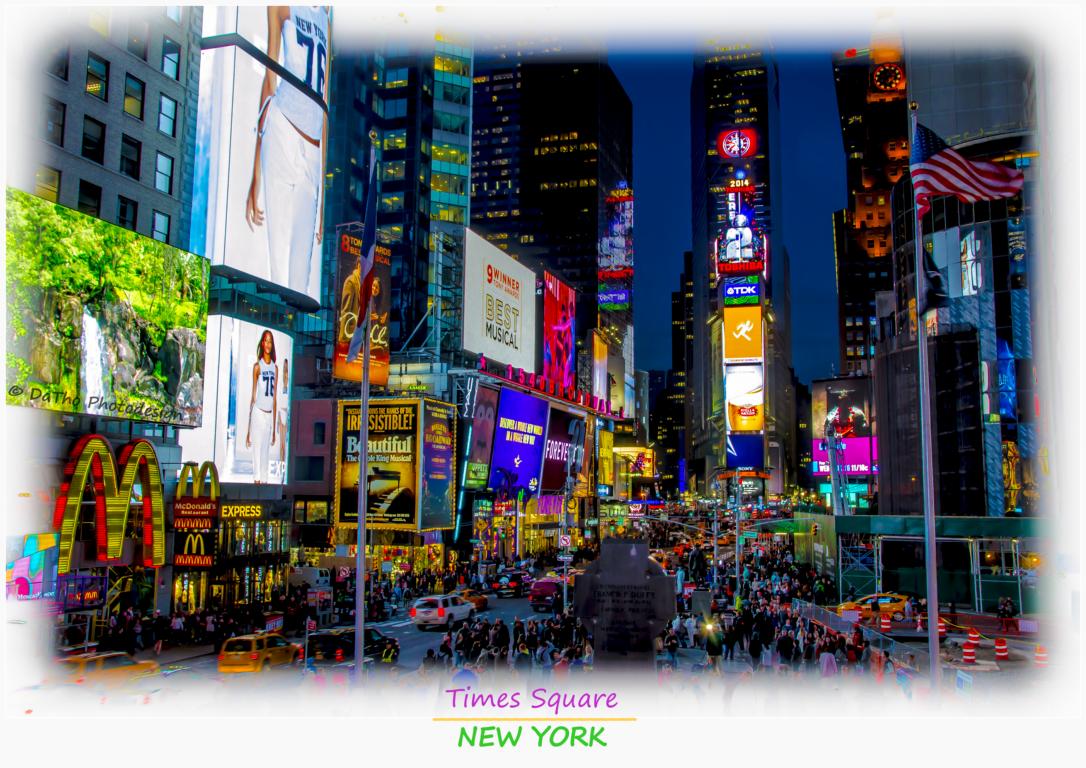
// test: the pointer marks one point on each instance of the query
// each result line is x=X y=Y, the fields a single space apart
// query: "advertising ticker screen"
x=518 y=445
x=101 y=320
x=860 y=456
x=743 y=334
x=557 y=450
x=247 y=397
x=481 y=439
x=392 y=464
x=349 y=250
x=745 y=395
x=260 y=147
x=499 y=305
x=437 y=476
x=559 y=332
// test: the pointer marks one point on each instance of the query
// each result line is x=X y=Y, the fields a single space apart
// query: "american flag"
x=366 y=272
x=937 y=169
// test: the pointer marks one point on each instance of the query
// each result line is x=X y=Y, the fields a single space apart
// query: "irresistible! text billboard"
x=392 y=469
x=518 y=445
x=260 y=145
x=349 y=250
x=247 y=401
x=499 y=305
x=559 y=332
x=101 y=320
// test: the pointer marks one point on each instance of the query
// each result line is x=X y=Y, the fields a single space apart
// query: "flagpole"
x=928 y=471
x=363 y=504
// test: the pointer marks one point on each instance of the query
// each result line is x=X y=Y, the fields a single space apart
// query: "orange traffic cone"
x=942 y=627
x=1040 y=656
x=1002 y=654
x=974 y=636
x=884 y=622
x=969 y=654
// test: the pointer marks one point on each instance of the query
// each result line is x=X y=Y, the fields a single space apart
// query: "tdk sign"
x=743 y=290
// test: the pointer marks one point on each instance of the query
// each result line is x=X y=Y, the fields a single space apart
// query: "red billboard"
x=559 y=332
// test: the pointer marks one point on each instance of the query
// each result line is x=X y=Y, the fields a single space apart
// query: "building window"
x=393 y=170
x=452 y=123
x=396 y=139
x=58 y=62
x=318 y=432
x=396 y=78
x=130 y=157
x=137 y=38
x=456 y=66
x=94 y=140
x=47 y=183
x=449 y=153
x=391 y=203
x=54 y=121
x=160 y=226
x=171 y=58
x=164 y=173
x=167 y=115
x=126 y=212
x=90 y=198
x=173 y=13
x=390 y=234
x=99 y=22
x=97 y=77
x=133 y=96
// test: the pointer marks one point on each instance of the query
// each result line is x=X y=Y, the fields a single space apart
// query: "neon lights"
x=92 y=459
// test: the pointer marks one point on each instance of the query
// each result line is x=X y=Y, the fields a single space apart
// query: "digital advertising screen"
x=745 y=393
x=616 y=377
x=599 y=366
x=559 y=332
x=859 y=457
x=607 y=458
x=615 y=262
x=743 y=334
x=972 y=266
x=246 y=401
x=740 y=291
x=437 y=477
x=745 y=452
x=481 y=439
x=260 y=147
x=499 y=305
x=349 y=252
x=392 y=464
x=845 y=402
x=556 y=449
x=638 y=462
x=518 y=445
x=101 y=320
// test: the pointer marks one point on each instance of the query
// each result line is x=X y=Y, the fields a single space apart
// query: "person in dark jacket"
x=754 y=648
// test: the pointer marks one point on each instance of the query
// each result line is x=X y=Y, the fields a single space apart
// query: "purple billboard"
x=518 y=445
x=861 y=456
x=557 y=450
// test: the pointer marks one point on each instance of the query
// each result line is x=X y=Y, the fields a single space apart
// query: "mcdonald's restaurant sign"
x=92 y=468
x=197 y=509
x=193 y=550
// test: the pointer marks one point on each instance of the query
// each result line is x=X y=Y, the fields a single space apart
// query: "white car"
x=441 y=611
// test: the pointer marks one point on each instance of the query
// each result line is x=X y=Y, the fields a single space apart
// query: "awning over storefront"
x=945 y=527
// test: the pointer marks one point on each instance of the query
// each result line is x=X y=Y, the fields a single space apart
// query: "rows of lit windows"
x=585 y=146
x=572 y=136
x=571 y=184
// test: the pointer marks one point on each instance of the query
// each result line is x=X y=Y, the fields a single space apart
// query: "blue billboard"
x=518 y=445
x=745 y=452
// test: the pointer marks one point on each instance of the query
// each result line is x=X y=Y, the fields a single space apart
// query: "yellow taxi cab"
x=883 y=602
x=256 y=653
x=475 y=597
x=114 y=668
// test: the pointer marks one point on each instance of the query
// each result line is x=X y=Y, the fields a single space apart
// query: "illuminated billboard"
x=556 y=450
x=559 y=332
x=518 y=445
x=405 y=492
x=859 y=456
x=745 y=394
x=636 y=461
x=481 y=438
x=349 y=252
x=101 y=320
x=743 y=334
x=737 y=142
x=745 y=452
x=739 y=291
x=247 y=402
x=607 y=458
x=615 y=259
x=845 y=402
x=260 y=146
x=972 y=265
x=599 y=366
x=499 y=305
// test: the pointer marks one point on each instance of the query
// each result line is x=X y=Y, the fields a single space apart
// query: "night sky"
x=813 y=175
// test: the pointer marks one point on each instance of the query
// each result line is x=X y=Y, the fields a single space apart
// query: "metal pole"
x=925 y=432
x=363 y=503
x=562 y=534
x=716 y=535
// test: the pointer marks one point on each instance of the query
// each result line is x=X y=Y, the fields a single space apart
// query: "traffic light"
x=814 y=529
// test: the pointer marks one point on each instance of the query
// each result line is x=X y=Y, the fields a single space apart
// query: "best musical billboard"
x=499 y=305
x=247 y=401
x=349 y=250
x=101 y=320
x=261 y=134
x=745 y=396
x=392 y=464
x=557 y=450
x=559 y=332
x=481 y=438
x=518 y=445
x=437 y=476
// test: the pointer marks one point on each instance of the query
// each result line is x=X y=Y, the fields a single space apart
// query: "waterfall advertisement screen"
x=481 y=439
x=101 y=320
x=392 y=464
x=437 y=478
x=518 y=445
x=258 y=187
